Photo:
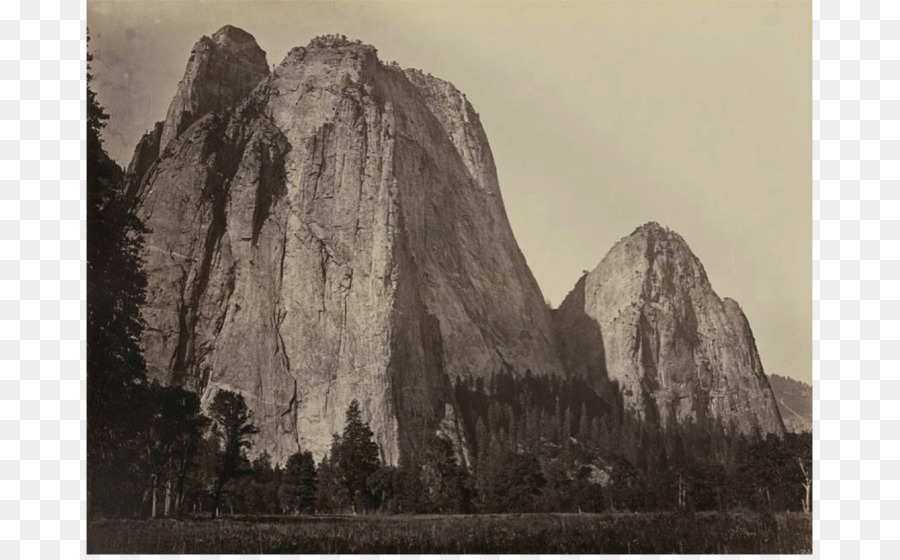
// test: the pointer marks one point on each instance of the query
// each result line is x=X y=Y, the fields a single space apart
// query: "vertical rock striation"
x=648 y=316
x=330 y=231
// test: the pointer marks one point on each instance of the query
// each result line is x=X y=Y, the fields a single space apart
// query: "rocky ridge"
x=677 y=352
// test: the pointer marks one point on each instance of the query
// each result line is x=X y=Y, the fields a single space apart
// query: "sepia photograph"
x=425 y=277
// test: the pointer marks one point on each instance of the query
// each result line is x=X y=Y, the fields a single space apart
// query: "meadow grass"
x=637 y=533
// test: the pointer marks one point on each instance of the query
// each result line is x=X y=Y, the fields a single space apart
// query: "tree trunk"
x=217 y=494
x=153 y=499
x=182 y=474
x=167 y=508
x=806 y=498
x=179 y=493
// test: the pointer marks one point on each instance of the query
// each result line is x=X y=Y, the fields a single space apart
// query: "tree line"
x=535 y=444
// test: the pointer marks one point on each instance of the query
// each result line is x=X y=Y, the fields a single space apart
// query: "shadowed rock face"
x=676 y=350
x=330 y=231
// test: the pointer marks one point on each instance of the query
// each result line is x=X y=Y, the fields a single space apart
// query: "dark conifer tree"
x=357 y=458
x=298 y=490
x=234 y=429
x=331 y=494
x=116 y=372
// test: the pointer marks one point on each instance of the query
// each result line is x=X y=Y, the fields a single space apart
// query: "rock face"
x=647 y=319
x=220 y=72
x=331 y=231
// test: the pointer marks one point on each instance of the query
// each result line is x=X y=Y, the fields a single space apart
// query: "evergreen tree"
x=298 y=490
x=234 y=429
x=116 y=372
x=331 y=494
x=518 y=483
x=357 y=458
x=445 y=485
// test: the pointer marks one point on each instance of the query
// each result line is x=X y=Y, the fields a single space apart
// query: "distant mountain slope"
x=794 y=401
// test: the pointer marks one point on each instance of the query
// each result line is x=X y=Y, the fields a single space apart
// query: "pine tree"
x=445 y=484
x=331 y=495
x=357 y=458
x=298 y=491
x=584 y=424
x=116 y=372
x=234 y=429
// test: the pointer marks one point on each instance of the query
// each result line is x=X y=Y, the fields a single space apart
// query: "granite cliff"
x=333 y=229
x=647 y=319
x=330 y=230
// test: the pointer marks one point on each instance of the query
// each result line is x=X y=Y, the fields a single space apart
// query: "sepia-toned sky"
x=601 y=116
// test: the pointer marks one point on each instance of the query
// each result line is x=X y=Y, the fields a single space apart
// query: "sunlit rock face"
x=650 y=322
x=328 y=231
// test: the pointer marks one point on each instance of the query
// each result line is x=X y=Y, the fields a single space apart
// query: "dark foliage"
x=431 y=483
x=116 y=372
x=331 y=493
x=234 y=429
x=173 y=430
x=298 y=489
x=585 y=454
x=355 y=454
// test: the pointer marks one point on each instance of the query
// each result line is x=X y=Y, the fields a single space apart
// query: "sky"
x=601 y=115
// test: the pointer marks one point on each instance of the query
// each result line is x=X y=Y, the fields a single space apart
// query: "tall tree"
x=116 y=371
x=331 y=494
x=173 y=431
x=357 y=458
x=298 y=489
x=444 y=484
x=234 y=429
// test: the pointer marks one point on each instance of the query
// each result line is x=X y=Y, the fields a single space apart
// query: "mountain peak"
x=678 y=351
x=338 y=42
x=658 y=232
x=654 y=227
x=220 y=73
x=233 y=34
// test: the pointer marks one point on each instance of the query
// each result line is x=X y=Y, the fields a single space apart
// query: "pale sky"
x=601 y=116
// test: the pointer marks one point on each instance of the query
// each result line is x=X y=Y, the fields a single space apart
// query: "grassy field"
x=647 y=533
